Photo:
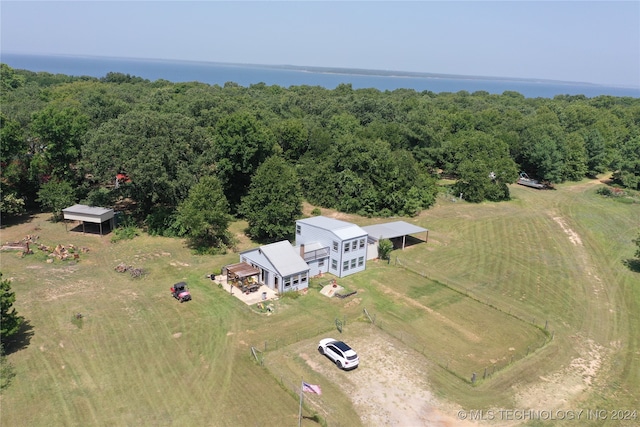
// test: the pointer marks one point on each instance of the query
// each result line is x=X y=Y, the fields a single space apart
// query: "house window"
x=360 y=261
x=298 y=229
x=346 y=247
x=303 y=278
x=354 y=245
x=361 y=243
x=334 y=264
x=287 y=282
x=296 y=280
x=353 y=263
x=345 y=266
x=335 y=246
x=321 y=263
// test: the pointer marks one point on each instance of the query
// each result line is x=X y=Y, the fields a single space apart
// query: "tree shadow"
x=632 y=264
x=12 y=221
x=20 y=340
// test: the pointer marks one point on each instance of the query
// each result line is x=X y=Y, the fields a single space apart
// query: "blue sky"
x=581 y=41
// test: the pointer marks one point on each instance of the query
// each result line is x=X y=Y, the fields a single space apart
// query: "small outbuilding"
x=92 y=214
x=396 y=231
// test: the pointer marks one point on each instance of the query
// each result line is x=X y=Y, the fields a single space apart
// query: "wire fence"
x=313 y=404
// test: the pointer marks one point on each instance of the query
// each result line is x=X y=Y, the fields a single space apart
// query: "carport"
x=392 y=230
x=84 y=213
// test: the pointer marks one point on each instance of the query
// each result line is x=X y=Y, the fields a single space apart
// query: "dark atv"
x=181 y=292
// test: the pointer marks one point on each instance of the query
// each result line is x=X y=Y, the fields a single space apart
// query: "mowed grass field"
x=477 y=295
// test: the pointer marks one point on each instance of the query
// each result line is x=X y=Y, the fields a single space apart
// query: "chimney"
x=302 y=250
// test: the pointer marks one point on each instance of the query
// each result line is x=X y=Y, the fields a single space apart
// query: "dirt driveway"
x=390 y=387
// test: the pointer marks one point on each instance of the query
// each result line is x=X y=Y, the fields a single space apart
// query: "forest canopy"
x=364 y=151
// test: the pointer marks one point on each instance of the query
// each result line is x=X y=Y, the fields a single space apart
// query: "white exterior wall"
x=306 y=233
x=270 y=277
x=351 y=259
x=315 y=267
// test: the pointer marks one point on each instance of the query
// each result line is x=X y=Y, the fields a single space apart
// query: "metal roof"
x=390 y=230
x=87 y=213
x=284 y=258
x=344 y=230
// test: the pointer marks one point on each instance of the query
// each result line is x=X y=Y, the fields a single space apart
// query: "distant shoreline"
x=334 y=70
x=220 y=73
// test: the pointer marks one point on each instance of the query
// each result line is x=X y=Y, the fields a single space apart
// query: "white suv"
x=342 y=355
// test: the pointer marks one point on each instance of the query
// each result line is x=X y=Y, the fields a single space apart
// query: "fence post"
x=473 y=378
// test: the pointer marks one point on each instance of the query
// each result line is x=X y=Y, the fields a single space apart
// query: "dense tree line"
x=260 y=150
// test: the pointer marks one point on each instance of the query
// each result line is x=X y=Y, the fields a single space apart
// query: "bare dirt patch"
x=559 y=388
x=390 y=387
x=573 y=236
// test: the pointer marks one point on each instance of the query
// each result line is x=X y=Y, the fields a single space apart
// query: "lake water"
x=246 y=75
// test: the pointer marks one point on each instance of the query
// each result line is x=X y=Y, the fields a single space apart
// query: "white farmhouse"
x=330 y=245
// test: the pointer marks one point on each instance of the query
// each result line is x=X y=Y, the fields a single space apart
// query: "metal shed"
x=84 y=213
x=391 y=230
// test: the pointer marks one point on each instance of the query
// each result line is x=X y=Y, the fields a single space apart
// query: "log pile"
x=134 y=272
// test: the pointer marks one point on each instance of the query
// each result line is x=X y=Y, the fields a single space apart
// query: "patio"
x=264 y=293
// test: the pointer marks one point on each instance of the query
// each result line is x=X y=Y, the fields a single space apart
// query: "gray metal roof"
x=390 y=230
x=344 y=230
x=285 y=259
x=87 y=213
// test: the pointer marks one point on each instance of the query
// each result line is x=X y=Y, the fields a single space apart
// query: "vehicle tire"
x=320 y=350
x=339 y=364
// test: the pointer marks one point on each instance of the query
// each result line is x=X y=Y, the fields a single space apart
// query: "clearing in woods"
x=478 y=295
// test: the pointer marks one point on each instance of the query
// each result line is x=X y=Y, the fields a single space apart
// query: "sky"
x=577 y=41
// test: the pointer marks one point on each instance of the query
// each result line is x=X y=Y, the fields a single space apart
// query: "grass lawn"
x=477 y=296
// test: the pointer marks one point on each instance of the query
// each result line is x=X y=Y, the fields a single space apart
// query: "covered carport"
x=92 y=214
x=391 y=230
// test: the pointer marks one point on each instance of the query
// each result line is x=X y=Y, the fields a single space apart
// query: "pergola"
x=240 y=271
x=84 y=213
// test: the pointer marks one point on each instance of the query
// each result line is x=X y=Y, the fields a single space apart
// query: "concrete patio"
x=264 y=293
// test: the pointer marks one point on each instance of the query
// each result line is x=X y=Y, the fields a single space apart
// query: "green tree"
x=596 y=153
x=162 y=153
x=482 y=164
x=11 y=205
x=60 y=131
x=9 y=79
x=203 y=217
x=10 y=322
x=637 y=242
x=385 y=246
x=56 y=195
x=628 y=164
x=241 y=144
x=575 y=157
x=293 y=138
x=274 y=201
